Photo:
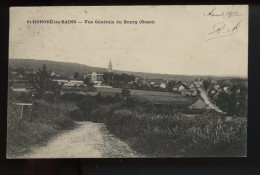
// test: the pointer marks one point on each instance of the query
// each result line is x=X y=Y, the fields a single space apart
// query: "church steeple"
x=110 y=66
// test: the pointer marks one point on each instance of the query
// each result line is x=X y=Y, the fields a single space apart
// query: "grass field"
x=36 y=126
x=152 y=96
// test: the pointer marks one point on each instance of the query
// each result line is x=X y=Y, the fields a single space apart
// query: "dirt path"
x=205 y=98
x=88 y=140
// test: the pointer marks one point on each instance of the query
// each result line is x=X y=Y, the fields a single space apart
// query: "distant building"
x=193 y=91
x=217 y=87
x=55 y=75
x=19 y=87
x=227 y=89
x=178 y=87
x=198 y=83
x=163 y=85
x=191 y=86
x=199 y=104
x=96 y=78
x=158 y=80
x=31 y=71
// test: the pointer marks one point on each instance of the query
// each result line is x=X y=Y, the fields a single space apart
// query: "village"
x=205 y=91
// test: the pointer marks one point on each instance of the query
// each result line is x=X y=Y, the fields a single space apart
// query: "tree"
x=206 y=84
x=108 y=78
x=56 y=89
x=76 y=75
x=42 y=81
x=20 y=71
x=169 y=85
x=88 y=82
x=125 y=93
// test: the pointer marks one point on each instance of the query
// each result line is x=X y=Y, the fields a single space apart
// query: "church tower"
x=110 y=66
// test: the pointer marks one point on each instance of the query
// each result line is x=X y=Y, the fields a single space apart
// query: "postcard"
x=128 y=81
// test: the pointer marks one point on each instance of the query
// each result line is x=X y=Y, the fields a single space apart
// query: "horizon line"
x=209 y=75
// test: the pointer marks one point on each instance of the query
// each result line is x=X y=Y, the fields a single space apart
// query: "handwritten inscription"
x=220 y=29
x=224 y=14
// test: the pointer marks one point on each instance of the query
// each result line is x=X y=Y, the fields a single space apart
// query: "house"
x=193 y=91
x=163 y=85
x=226 y=89
x=217 y=87
x=213 y=92
x=156 y=85
x=30 y=71
x=96 y=78
x=181 y=87
x=178 y=87
x=199 y=104
x=158 y=80
x=54 y=75
x=19 y=87
x=198 y=83
x=191 y=86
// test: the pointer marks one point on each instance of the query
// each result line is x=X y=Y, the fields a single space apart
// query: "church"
x=97 y=78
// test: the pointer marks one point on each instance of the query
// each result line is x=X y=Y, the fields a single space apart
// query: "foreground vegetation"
x=35 y=126
x=180 y=134
x=163 y=131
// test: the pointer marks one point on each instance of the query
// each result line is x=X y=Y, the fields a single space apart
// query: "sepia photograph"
x=165 y=81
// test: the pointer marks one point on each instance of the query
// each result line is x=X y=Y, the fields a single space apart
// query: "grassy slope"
x=200 y=135
x=36 y=127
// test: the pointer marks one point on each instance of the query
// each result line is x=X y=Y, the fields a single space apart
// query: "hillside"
x=60 y=68
x=68 y=69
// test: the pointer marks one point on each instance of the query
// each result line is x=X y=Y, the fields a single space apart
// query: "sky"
x=178 y=42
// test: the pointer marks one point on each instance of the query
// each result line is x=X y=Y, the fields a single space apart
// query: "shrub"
x=103 y=112
x=77 y=115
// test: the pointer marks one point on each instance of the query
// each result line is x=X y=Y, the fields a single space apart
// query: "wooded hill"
x=68 y=69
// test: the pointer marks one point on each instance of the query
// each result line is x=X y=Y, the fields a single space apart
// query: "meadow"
x=155 y=97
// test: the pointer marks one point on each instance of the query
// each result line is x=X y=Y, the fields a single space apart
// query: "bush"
x=77 y=115
x=103 y=112
x=87 y=105
x=94 y=108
